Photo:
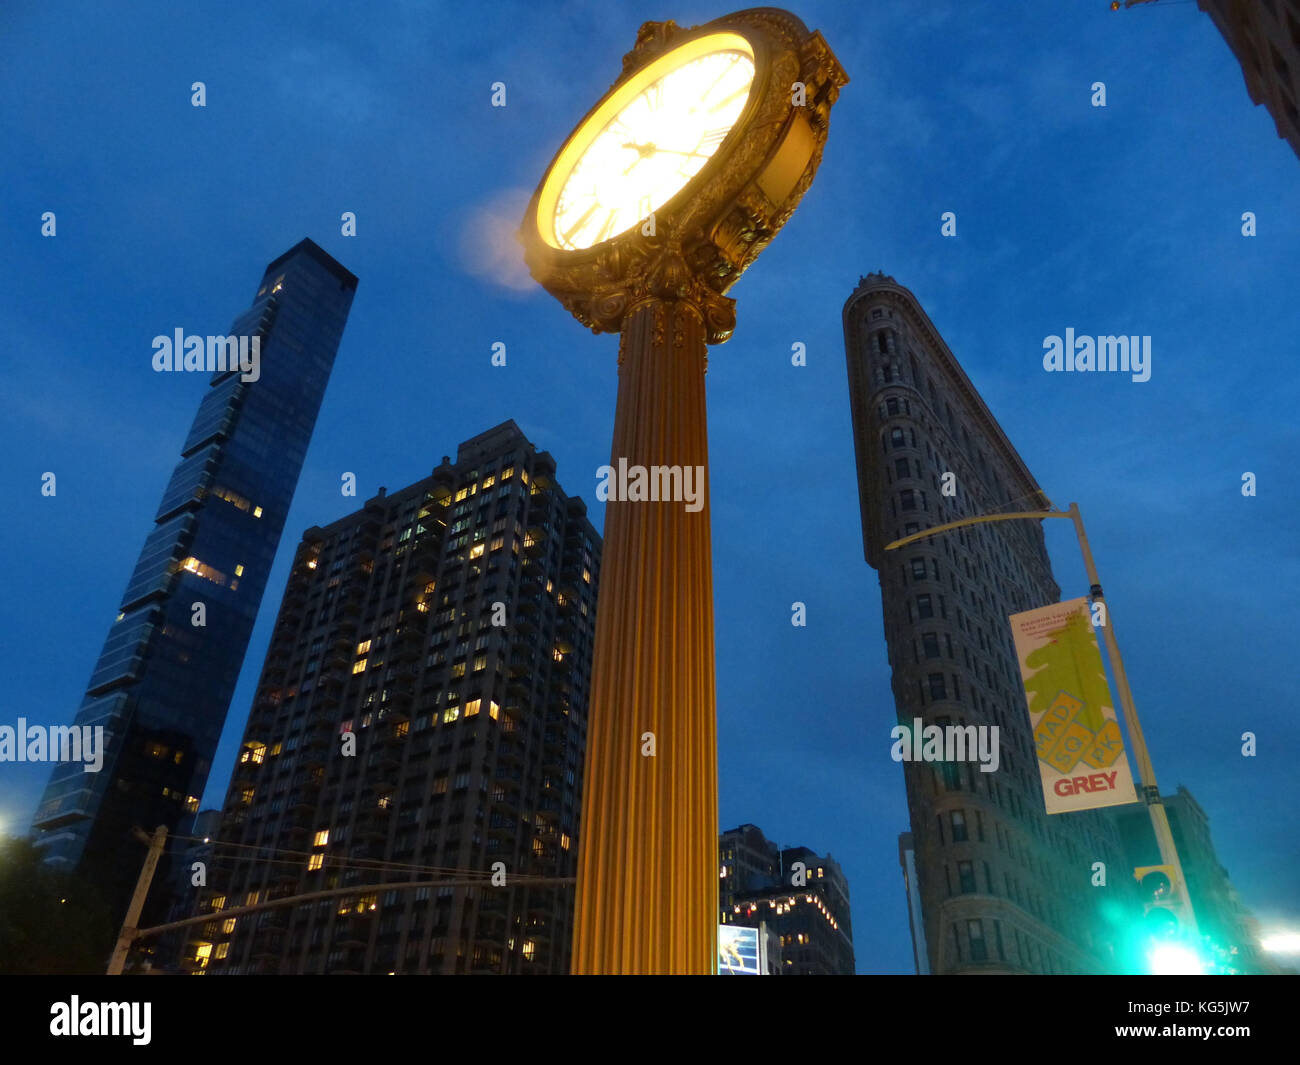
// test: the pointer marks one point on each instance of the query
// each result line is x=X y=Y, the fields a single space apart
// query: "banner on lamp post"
x=1081 y=758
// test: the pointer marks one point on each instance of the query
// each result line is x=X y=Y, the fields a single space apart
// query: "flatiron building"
x=1003 y=887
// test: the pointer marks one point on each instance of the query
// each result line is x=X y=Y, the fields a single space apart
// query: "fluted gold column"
x=647 y=891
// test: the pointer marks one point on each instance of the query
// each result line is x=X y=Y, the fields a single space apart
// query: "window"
x=937 y=688
x=959 y=826
x=472 y=707
x=315 y=862
x=359 y=666
x=450 y=714
x=322 y=838
x=966 y=876
x=978 y=949
x=896 y=437
x=907 y=497
x=918 y=569
x=924 y=606
x=930 y=644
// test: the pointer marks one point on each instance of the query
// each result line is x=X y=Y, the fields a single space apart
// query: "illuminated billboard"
x=740 y=951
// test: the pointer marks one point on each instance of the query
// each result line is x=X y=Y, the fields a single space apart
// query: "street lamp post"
x=1146 y=773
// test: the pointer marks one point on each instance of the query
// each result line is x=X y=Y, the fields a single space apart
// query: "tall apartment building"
x=801 y=897
x=1264 y=35
x=447 y=629
x=163 y=683
x=1003 y=887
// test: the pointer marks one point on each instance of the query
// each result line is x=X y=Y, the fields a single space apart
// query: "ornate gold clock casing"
x=710 y=231
x=721 y=173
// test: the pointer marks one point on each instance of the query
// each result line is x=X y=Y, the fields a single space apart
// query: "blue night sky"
x=1117 y=220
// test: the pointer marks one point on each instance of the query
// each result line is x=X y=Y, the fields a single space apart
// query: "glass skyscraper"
x=163 y=682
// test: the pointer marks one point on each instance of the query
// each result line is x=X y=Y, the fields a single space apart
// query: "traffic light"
x=1168 y=927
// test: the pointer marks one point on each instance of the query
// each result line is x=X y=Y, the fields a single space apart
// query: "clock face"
x=646 y=141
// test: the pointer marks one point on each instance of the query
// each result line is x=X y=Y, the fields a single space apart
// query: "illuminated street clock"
x=686 y=168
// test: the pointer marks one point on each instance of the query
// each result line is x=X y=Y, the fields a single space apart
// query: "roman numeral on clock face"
x=569 y=233
x=607 y=226
x=711 y=138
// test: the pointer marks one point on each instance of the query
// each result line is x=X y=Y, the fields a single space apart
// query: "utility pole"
x=1146 y=773
x=127 y=936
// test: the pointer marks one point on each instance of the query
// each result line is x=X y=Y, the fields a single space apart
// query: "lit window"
x=586 y=574
x=489 y=480
x=322 y=838
x=564 y=841
x=530 y=949
x=228 y=925
x=218 y=903
x=359 y=666
x=193 y=565
x=315 y=862
x=507 y=473
x=239 y=570
x=494 y=711
x=203 y=954
x=477 y=551
x=363 y=647
x=222 y=950
x=472 y=707
x=257 y=513
x=450 y=714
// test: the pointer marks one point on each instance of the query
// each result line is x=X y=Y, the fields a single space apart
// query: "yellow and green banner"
x=1081 y=759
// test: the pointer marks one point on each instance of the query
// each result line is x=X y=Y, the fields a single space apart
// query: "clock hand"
x=647 y=150
x=673 y=151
